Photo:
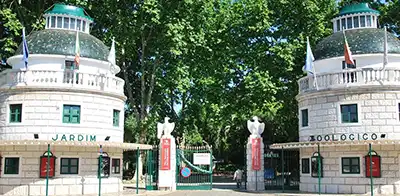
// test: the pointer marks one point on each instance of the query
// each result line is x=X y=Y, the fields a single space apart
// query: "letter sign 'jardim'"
x=72 y=137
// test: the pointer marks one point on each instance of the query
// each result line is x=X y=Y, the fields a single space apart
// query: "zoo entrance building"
x=73 y=108
x=353 y=106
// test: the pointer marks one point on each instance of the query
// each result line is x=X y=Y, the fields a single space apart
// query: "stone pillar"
x=167 y=156
x=255 y=175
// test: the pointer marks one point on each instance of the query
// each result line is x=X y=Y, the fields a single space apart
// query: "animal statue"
x=255 y=127
x=165 y=128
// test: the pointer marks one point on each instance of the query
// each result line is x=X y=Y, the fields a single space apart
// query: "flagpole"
x=385 y=51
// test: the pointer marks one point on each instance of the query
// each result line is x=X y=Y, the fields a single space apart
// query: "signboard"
x=269 y=173
x=201 y=158
x=347 y=137
x=43 y=165
x=256 y=153
x=376 y=165
x=165 y=154
x=74 y=137
x=186 y=172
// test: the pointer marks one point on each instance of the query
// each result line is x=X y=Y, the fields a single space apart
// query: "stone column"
x=255 y=175
x=167 y=150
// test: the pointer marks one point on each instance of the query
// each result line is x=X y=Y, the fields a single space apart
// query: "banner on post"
x=165 y=154
x=256 y=153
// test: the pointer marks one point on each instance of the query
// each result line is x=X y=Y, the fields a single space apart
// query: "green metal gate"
x=281 y=169
x=152 y=168
x=194 y=168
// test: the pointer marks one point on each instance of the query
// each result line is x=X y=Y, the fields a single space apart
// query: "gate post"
x=255 y=156
x=167 y=156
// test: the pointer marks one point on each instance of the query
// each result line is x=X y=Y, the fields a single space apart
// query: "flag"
x=347 y=53
x=309 y=66
x=111 y=55
x=385 y=51
x=77 y=50
x=25 y=51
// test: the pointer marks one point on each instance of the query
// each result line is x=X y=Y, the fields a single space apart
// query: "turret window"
x=349 y=113
x=78 y=24
x=72 y=25
x=53 y=21
x=304 y=118
x=15 y=113
x=349 y=23
x=362 y=21
x=72 y=114
x=356 y=22
x=369 y=22
x=343 y=23
x=59 y=22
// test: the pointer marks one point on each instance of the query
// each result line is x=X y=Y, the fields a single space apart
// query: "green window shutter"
x=71 y=114
x=15 y=113
x=116 y=118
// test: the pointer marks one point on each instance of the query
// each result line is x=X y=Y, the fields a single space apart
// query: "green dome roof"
x=62 y=42
x=361 y=41
x=357 y=8
x=69 y=10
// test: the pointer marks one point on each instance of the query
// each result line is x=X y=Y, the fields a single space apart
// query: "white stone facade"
x=27 y=182
x=333 y=181
x=42 y=113
x=378 y=112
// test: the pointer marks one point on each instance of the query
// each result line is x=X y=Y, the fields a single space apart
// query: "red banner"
x=376 y=166
x=165 y=154
x=256 y=153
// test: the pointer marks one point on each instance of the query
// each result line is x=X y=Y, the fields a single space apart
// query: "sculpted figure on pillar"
x=255 y=127
x=165 y=129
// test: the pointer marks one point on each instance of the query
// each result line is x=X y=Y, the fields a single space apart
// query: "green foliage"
x=221 y=62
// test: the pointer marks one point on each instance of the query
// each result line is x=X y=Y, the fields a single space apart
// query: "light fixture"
x=36 y=136
x=107 y=138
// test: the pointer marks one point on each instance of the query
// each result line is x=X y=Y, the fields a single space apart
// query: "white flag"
x=111 y=56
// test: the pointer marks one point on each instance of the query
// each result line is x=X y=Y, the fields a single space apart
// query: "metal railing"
x=349 y=78
x=62 y=79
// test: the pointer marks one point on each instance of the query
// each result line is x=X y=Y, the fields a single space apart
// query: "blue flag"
x=25 y=51
x=309 y=66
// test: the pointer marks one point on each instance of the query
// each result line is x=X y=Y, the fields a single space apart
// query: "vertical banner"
x=256 y=153
x=165 y=154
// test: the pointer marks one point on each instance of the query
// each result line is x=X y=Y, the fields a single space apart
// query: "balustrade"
x=350 y=78
x=62 y=79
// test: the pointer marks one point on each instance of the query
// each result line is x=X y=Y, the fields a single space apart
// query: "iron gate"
x=151 y=168
x=194 y=168
x=281 y=169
